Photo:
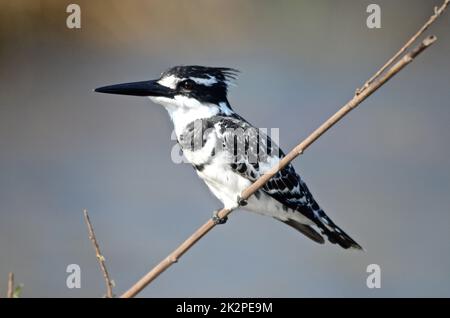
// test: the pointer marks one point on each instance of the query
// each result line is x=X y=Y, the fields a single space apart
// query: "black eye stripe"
x=214 y=93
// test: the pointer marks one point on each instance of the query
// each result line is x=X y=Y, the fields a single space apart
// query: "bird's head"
x=187 y=87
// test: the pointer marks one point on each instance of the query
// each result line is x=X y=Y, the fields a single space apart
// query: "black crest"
x=221 y=74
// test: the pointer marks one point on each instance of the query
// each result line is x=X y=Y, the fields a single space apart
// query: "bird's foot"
x=241 y=202
x=217 y=219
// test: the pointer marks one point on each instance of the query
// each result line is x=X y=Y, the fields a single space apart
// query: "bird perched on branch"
x=228 y=153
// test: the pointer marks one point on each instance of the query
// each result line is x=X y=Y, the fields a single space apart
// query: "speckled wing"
x=259 y=155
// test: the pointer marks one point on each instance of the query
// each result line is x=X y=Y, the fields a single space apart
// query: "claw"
x=217 y=219
x=241 y=202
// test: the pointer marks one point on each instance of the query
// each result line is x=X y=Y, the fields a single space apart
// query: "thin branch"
x=437 y=12
x=10 y=293
x=100 y=258
x=210 y=224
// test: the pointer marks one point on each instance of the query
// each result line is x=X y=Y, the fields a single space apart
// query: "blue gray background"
x=382 y=173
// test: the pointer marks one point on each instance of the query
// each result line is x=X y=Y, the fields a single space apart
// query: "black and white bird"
x=228 y=153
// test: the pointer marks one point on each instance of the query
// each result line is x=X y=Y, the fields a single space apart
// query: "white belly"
x=224 y=183
x=227 y=185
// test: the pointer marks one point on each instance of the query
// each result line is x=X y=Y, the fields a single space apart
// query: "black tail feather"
x=307 y=230
x=334 y=233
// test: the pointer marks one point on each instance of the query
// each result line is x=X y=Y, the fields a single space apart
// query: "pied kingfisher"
x=205 y=125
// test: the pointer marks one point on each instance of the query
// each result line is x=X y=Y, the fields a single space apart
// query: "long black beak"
x=145 y=88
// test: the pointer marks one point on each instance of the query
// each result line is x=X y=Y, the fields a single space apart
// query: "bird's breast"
x=223 y=182
x=200 y=152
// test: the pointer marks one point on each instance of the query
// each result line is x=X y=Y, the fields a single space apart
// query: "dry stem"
x=100 y=258
x=437 y=12
x=10 y=293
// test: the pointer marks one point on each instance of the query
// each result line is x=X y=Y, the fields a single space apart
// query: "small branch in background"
x=100 y=258
x=10 y=293
x=371 y=85
x=437 y=12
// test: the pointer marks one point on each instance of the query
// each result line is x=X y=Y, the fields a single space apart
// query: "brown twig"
x=210 y=224
x=10 y=293
x=437 y=12
x=100 y=258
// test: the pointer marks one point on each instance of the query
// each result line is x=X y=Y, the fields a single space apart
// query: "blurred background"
x=382 y=174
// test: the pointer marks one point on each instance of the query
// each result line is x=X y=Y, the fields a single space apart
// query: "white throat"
x=184 y=110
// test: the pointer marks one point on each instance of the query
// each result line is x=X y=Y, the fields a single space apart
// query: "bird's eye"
x=187 y=84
